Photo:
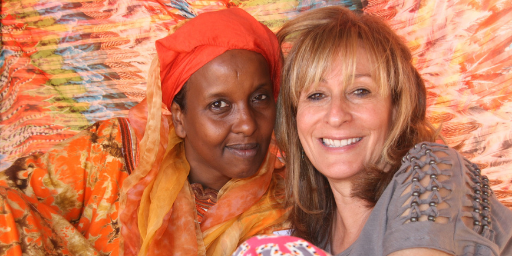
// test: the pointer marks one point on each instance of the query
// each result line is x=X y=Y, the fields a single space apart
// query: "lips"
x=340 y=143
x=244 y=150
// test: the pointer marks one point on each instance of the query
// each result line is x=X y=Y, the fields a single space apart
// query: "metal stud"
x=485 y=218
x=485 y=226
x=432 y=203
x=423 y=145
x=413 y=158
x=414 y=203
x=477 y=191
x=476 y=222
x=432 y=162
x=485 y=178
x=433 y=176
x=416 y=167
x=414 y=219
x=415 y=179
x=485 y=200
x=478 y=184
x=428 y=151
x=415 y=193
x=432 y=218
x=486 y=186
x=486 y=193
x=486 y=208
x=435 y=188
x=477 y=210
x=477 y=199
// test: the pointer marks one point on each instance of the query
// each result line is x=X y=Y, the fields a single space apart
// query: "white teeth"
x=340 y=143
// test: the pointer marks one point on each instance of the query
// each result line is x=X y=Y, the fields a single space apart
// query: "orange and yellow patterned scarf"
x=159 y=213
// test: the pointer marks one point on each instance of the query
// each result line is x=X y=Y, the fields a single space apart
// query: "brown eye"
x=361 y=92
x=260 y=97
x=316 y=96
x=219 y=105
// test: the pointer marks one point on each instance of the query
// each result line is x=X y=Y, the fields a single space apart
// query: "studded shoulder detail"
x=440 y=185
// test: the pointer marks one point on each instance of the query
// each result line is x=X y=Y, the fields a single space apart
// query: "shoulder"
x=439 y=165
x=440 y=200
x=106 y=139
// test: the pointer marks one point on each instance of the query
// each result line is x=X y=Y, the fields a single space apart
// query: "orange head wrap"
x=207 y=36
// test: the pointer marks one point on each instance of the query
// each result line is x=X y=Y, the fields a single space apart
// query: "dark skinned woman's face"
x=228 y=119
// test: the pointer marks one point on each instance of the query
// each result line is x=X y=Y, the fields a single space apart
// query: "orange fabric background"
x=66 y=64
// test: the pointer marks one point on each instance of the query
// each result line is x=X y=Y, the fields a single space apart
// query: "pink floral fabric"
x=278 y=245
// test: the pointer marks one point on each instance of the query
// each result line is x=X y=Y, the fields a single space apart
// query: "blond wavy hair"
x=319 y=38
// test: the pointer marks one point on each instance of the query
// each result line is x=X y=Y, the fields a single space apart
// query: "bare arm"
x=419 y=252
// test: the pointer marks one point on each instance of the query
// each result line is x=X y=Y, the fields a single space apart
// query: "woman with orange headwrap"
x=198 y=181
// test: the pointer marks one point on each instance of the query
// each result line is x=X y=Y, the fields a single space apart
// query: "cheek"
x=385 y=120
x=379 y=122
x=301 y=124
x=307 y=117
x=209 y=134
x=306 y=120
x=268 y=118
x=265 y=119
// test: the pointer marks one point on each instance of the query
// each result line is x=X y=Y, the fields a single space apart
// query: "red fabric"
x=183 y=52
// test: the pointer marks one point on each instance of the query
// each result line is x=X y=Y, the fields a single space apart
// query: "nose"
x=245 y=122
x=338 y=112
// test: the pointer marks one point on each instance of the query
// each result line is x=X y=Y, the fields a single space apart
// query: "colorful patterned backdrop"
x=67 y=64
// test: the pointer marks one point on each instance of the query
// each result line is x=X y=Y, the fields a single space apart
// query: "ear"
x=178 y=120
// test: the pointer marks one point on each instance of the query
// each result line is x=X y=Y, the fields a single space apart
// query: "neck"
x=202 y=173
x=206 y=179
x=351 y=216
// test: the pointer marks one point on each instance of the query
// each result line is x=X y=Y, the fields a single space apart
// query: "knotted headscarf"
x=158 y=214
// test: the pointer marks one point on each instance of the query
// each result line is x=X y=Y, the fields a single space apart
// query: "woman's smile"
x=243 y=149
x=339 y=143
x=342 y=123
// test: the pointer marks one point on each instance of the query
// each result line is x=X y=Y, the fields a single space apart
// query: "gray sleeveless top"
x=437 y=200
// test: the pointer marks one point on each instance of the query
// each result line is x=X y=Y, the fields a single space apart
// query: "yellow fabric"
x=264 y=217
x=160 y=195
x=158 y=213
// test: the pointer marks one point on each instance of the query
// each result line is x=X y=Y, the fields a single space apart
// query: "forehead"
x=235 y=60
x=234 y=69
x=351 y=65
x=345 y=67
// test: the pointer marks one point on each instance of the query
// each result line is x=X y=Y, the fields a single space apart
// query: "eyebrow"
x=215 y=95
x=262 y=85
x=224 y=95
x=363 y=75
